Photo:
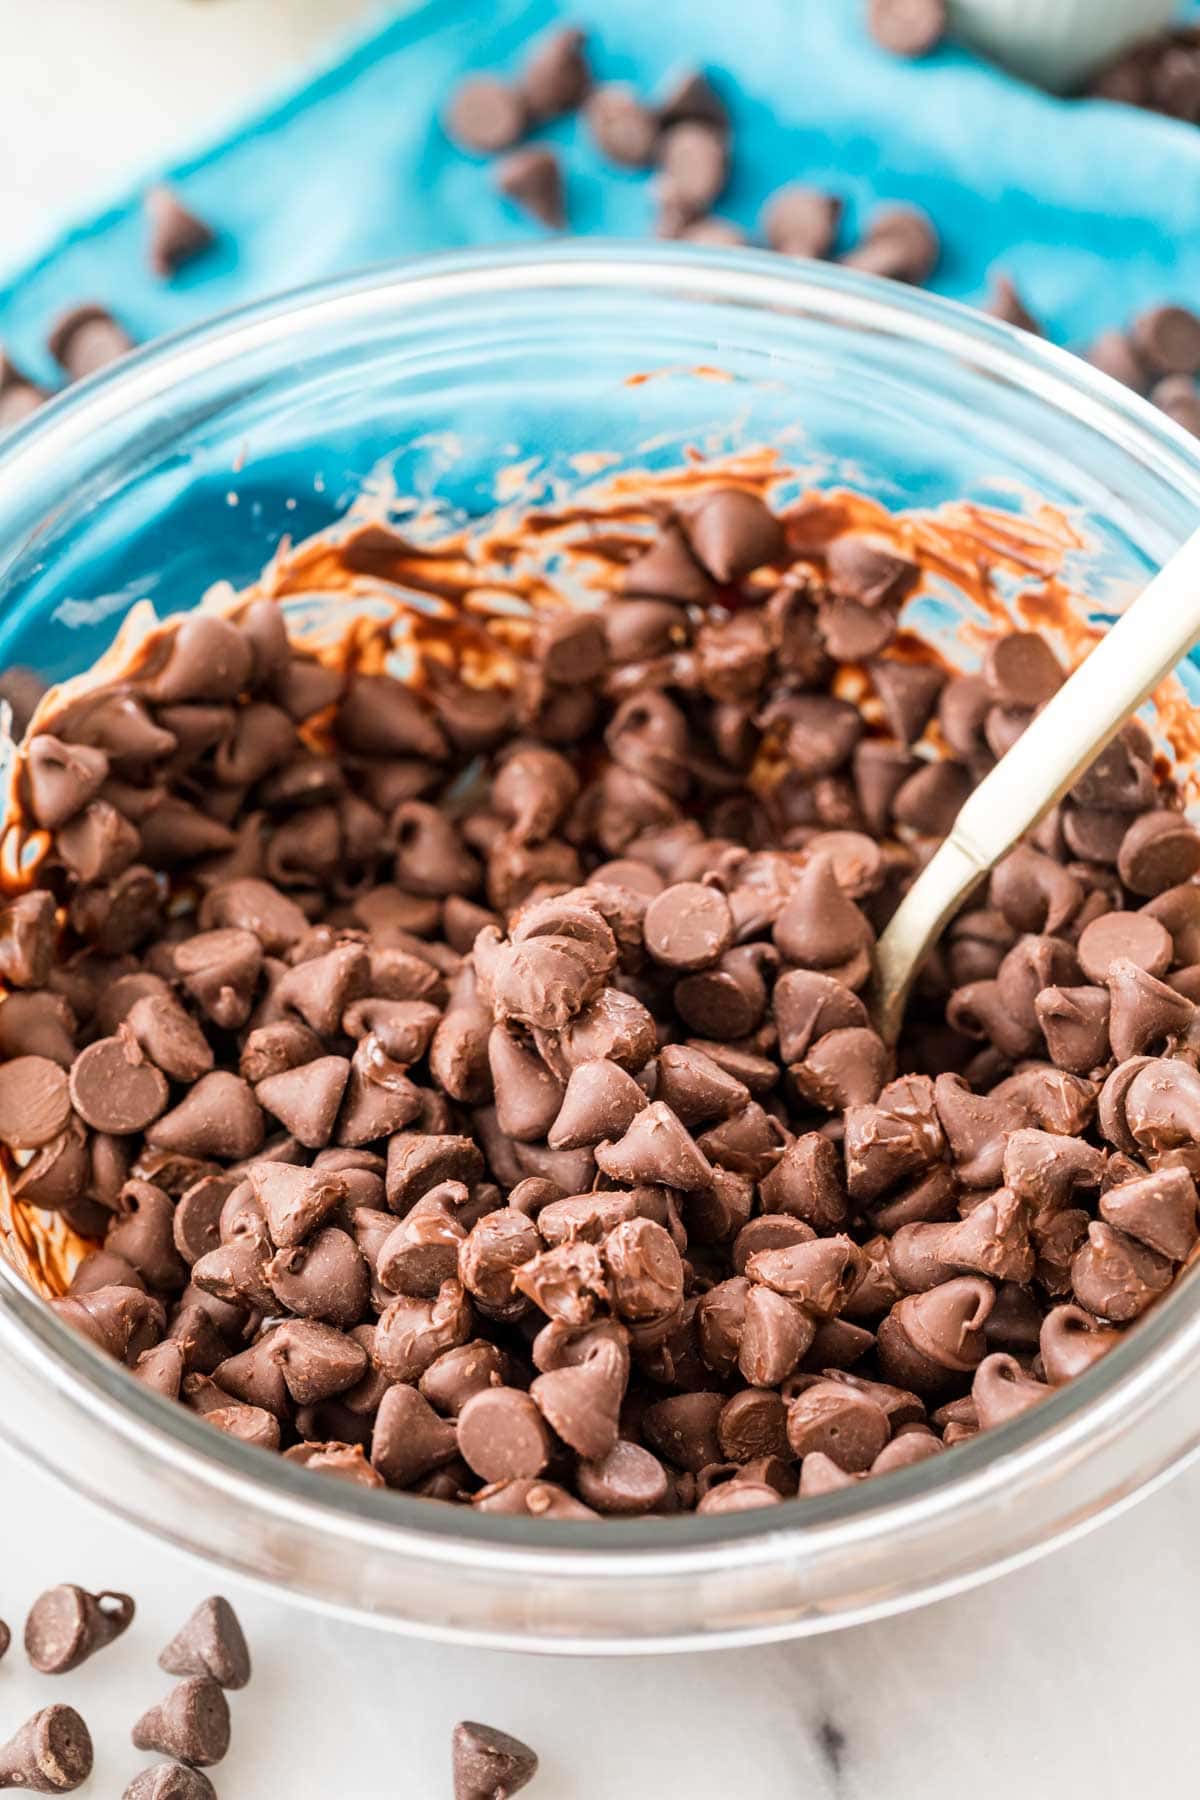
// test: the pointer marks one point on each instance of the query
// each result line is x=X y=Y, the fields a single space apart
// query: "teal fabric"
x=1091 y=207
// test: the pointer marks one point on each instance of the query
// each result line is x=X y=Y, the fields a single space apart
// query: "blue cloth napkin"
x=1090 y=207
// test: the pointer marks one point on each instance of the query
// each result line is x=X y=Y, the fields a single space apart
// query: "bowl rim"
x=996 y=1464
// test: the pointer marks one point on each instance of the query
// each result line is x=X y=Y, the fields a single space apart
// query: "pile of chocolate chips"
x=473 y=1090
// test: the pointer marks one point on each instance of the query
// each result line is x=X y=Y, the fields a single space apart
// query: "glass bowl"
x=190 y=462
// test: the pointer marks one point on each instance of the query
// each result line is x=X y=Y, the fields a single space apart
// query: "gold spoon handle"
x=1067 y=735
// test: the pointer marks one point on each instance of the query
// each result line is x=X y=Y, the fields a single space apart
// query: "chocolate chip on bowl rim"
x=732 y=1151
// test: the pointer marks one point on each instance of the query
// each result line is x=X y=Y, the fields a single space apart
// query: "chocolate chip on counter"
x=170 y=1781
x=86 y=339
x=191 y=1724
x=910 y=28
x=51 y=1754
x=176 y=234
x=533 y=178
x=489 y=1764
x=211 y=1643
x=486 y=115
x=66 y=1625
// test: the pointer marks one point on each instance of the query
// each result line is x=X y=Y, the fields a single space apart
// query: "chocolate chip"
x=733 y=532
x=176 y=234
x=1179 y=397
x=532 y=177
x=556 y=77
x=19 y=399
x=170 y=1781
x=694 y=162
x=910 y=28
x=1006 y=303
x=66 y=1625
x=901 y=243
x=191 y=1724
x=1167 y=338
x=51 y=1754
x=1114 y=355
x=486 y=115
x=489 y=1764
x=624 y=130
x=35 y=1102
x=85 y=339
x=219 y=1117
x=801 y=221
x=501 y=1435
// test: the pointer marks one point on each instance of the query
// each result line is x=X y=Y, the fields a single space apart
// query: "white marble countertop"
x=1073 y=1678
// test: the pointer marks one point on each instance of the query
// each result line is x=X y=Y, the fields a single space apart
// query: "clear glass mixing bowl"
x=192 y=460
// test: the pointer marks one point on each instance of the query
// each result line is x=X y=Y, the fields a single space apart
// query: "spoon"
x=1064 y=738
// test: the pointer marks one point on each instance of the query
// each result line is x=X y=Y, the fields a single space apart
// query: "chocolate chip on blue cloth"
x=910 y=28
x=532 y=177
x=19 y=397
x=801 y=221
x=85 y=339
x=176 y=234
x=486 y=115
x=625 y=131
x=556 y=78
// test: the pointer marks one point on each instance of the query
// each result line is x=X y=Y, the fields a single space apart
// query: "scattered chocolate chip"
x=170 y=1781
x=1005 y=303
x=86 y=339
x=211 y=1643
x=901 y=242
x=489 y=1764
x=176 y=233
x=51 y=1754
x=191 y=1724
x=556 y=76
x=910 y=28
x=486 y=115
x=801 y=221
x=1167 y=339
x=1113 y=354
x=66 y=1625
x=533 y=178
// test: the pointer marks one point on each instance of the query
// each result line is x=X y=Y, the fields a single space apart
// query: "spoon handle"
x=1124 y=668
